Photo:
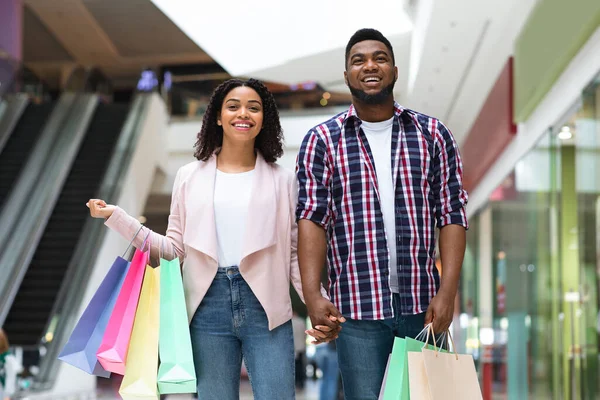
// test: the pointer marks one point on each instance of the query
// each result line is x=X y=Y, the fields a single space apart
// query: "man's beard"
x=373 y=99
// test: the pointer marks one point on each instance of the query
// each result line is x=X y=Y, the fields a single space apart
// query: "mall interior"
x=104 y=99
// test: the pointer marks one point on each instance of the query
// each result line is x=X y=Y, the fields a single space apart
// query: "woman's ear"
x=219 y=119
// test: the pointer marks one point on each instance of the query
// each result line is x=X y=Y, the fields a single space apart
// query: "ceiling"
x=245 y=37
x=119 y=36
x=447 y=63
x=448 y=52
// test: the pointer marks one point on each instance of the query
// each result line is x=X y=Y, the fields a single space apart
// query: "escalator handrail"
x=14 y=107
x=18 y=78
x=36 y=163
x=33 y=209
x=66 y=307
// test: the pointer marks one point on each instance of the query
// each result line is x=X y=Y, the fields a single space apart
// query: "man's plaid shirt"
x=337 y=189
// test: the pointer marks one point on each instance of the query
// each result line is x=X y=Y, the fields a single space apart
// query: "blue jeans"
x=327 y=361
x=363 y=349
x=230 y=324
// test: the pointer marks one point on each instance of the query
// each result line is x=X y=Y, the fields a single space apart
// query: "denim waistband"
x=232 y=270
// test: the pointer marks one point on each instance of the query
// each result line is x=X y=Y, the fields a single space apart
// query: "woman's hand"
x=99 y=208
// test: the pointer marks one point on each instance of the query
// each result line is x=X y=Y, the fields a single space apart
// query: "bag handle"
x=131 y=242
x=453 y=345
x=429 y=329
x=161 y=249
x=148 y=240
x=424 y=335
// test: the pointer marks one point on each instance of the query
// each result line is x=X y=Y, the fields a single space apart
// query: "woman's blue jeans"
x=230 y=325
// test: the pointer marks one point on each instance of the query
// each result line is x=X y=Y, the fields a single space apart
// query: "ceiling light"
x=565 y=133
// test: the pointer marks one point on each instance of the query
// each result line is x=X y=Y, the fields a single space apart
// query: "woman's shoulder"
x=282 y=172
x=188 y=169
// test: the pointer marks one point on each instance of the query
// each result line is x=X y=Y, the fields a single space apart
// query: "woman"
x=232 y=221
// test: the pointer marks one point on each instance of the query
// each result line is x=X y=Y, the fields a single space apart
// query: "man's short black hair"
x=368 y=34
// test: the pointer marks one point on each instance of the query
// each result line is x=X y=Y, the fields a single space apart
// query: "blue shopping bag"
x=80 y=350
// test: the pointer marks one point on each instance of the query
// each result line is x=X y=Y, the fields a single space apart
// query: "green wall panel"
x=552 y=36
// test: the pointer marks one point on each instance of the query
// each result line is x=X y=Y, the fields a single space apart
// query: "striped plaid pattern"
x=337 y=189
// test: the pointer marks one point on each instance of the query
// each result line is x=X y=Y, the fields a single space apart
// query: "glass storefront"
x=545 y=267
x=466 y=322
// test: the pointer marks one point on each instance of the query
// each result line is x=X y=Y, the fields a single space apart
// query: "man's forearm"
x=312 y=249
x=452 y=252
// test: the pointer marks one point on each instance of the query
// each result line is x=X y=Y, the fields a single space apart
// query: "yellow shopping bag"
x=141 y=368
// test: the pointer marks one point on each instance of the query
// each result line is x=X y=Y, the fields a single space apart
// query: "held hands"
x=325 y=319
x=99 y=208
x=440 y=312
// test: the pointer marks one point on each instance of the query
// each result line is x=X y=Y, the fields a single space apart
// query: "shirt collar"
x=351 y=114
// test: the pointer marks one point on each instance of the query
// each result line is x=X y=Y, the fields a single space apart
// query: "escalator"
x=32 y=307
x=15 y=153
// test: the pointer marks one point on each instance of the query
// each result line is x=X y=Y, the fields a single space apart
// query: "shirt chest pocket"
x=418 y=161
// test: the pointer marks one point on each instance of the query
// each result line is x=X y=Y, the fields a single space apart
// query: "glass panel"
x=586 y=137
x=466 y=322
x=522 y=232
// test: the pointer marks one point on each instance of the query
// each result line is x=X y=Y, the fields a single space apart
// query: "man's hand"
x=440 y=312
x=325 y=319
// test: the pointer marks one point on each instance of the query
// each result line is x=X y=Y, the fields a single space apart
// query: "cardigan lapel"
x=260 y=231
x=261 y=219
x=200 y=231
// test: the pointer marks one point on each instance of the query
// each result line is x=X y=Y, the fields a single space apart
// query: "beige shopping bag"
x=451 y=376
x=418 y=383
x=433 y=375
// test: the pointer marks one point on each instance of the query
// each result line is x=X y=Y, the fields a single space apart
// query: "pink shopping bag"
x=112 y=353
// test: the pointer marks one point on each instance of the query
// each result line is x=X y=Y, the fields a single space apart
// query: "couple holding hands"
x=371 y=186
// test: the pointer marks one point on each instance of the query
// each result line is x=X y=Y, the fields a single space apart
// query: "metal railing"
x=66 y=307
x=26 y=212
x=12 y=109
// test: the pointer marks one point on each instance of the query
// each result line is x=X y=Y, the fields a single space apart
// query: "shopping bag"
x=80 y=350
x=385 y=376
x=395 y=387
x=436 y=375
x=112 y=353
x=176 y=373
x=417 y=377
x=451 y=375
x=139 y=381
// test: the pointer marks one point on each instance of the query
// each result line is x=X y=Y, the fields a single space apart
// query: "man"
x=299 y=328
x=374 y=182
x=327 y=361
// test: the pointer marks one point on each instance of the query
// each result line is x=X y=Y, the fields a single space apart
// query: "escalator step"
x=19 y=145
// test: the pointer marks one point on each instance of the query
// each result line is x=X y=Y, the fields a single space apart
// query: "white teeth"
x=242 y=125
x=372 y=79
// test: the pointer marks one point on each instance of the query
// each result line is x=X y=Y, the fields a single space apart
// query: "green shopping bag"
x=396 y=383
x=176 y=373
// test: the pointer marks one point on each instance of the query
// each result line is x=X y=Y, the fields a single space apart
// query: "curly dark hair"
x=269 y=141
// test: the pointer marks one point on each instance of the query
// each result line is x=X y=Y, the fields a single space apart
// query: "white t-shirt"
x=379 y=136
x=231 y=200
